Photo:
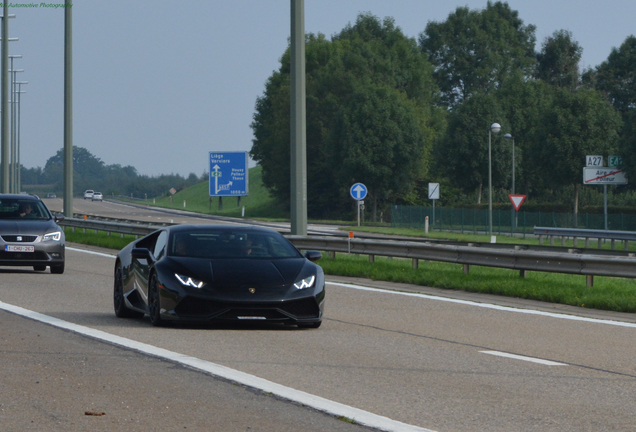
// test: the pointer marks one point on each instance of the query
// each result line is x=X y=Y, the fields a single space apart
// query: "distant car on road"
x=88 y=194
x=29 y=234
x=219 y=273
x=97 y=196
x=51 y=195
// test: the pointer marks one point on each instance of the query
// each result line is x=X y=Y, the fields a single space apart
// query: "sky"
x=158 y=84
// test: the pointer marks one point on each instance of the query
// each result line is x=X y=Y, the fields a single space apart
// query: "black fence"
x=504 y=222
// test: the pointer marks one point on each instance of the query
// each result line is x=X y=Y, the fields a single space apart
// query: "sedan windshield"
x=16 y=208
x=231 y=244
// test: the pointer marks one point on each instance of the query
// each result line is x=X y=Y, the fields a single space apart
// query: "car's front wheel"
x=121 y=310
x=154 y=302
x=58 y=269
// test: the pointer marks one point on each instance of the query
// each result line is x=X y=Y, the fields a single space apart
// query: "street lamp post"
x=19 y=173
x=511 y=138
x=495 y=127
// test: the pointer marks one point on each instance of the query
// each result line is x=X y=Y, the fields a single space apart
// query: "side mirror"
x=58 y=217
x=142 y=253
x=313 y=255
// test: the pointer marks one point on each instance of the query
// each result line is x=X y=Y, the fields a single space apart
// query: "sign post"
x=358 y=192
x=433 y=194
x=594 y=173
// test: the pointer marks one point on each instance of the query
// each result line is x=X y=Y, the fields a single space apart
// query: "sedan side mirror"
x=313 y=255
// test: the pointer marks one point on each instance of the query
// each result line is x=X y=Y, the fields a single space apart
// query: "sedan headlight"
x=188 y=281
x=305 y=283
x=54 y=236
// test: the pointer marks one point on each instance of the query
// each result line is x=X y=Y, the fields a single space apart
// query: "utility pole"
x=298 y=121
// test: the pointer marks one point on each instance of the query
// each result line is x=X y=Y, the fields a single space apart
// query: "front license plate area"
x=16 y=248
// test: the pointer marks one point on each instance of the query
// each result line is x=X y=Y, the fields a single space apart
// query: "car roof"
x=20 y=196
x=218 y=227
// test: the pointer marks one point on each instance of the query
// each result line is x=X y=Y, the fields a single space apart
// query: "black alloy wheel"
x=121 y=310
x=154 y=302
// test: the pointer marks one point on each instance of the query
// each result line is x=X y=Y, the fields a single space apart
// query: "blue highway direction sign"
x=358 y=191
x=228 y=174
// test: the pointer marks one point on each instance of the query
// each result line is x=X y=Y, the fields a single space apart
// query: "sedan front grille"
x=21 y=256
x=19 y=238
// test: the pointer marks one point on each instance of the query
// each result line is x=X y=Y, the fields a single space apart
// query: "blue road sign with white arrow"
x=228 y=174
x=358 y=191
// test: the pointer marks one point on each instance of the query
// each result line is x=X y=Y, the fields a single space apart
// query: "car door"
x=141 y=267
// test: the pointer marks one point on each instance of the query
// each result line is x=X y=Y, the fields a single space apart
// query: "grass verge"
x=614 y=294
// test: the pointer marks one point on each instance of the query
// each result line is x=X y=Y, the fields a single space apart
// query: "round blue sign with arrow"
x=358 y=191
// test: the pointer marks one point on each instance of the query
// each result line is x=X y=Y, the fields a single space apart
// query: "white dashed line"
x=524 y=358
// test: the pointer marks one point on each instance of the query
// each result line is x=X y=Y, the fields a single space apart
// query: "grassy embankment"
x=614 y=294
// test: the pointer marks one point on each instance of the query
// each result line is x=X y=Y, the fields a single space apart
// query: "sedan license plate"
x=16 y=248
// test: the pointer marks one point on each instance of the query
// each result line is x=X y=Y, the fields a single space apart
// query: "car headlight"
x=54 y=236
x=188 y=281
x=305 y=283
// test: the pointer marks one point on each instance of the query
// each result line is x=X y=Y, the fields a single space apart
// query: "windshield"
x=231 y=244
x=16 y=208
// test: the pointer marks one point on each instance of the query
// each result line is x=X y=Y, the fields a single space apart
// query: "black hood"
x=238 y=272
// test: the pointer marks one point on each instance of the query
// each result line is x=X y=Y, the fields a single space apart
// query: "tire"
x=154 y=302
x=121 y=310
x=39 y=267
x=58 y=269
x=313 y=325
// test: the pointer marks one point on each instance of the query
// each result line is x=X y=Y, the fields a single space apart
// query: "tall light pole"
x=19 y=173
x=298 y=107
x=495 y=127
x=13 y=171
x=4 y=95
x=511 y=138
x=68 y=110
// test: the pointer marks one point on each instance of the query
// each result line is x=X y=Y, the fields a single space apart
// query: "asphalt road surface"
x=422 y=357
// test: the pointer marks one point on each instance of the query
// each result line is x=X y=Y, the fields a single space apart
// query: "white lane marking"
x=524 y=358
x=489 y=306
x=325 y=405
x=91 y=252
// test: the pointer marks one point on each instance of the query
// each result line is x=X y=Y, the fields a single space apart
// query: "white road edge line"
x=91 y=252
x=524 y=358
x=488 y=305
x=362 y=417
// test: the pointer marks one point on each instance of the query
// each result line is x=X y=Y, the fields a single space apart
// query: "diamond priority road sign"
x=607 y=176
x=228 y=174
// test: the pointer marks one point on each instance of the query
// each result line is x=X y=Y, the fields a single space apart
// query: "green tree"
x=369 y=66
x=475 y=50
x=616 y=77
x=558 y=61
x=463 y=151
x=578 y=123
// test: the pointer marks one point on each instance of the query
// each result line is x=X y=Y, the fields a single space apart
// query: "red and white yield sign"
x=517 y=200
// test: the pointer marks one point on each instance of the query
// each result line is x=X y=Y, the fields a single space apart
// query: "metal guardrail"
x=521 y=258
x=138 y=229
x=564 y=233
